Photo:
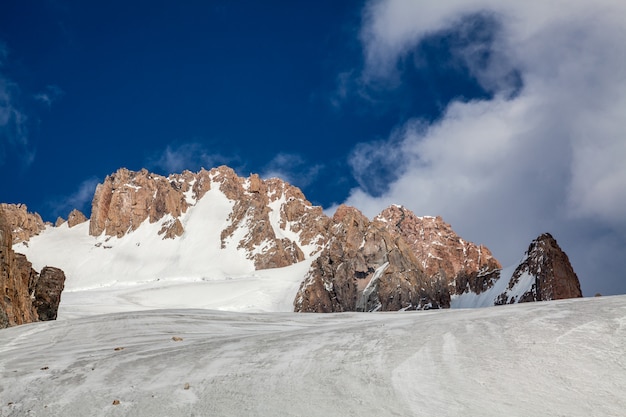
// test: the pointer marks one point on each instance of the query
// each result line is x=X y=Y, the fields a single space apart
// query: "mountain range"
x=252 y=244
x=183 y=295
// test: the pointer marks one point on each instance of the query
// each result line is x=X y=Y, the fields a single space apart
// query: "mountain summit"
x=274 y=251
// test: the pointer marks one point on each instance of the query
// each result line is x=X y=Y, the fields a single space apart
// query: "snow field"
x=553 y=358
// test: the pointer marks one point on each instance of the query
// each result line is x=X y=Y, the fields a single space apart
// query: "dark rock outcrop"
x=47 y=292
x=549 y=271
x=24 y=292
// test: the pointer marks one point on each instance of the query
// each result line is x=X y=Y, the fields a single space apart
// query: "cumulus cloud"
x=292 y=168
x=191 y=156
x=502 y=170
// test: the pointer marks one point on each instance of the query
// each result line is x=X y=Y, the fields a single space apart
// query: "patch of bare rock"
x=26 y=295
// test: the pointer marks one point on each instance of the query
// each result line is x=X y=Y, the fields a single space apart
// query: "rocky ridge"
x=270 y=219
x=442 y=254
x=23 y=223
x=363 y=267
x=27 y=296
x=395 y=261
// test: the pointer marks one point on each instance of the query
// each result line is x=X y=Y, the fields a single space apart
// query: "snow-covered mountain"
x=248 y=244
x=180 y=294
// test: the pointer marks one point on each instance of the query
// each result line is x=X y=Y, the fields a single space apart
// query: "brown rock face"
x=75 y=217
x=23 y=224
x=20 y=283
x=549 y=268
x=270 y=219
x=364 y=268
x=126 y=199
x=441 y=253
x=277 y=222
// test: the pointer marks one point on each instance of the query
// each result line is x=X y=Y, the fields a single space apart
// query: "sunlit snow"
x=564 y=358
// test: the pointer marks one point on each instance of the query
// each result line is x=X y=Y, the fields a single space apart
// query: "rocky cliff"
x=441 y=253
x=364 y=267
x=396 y=261
x=270 y=219
x=544 y=274
x=23 y=224
x=26 y=296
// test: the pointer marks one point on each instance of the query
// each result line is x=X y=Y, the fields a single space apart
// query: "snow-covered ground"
x=563 y=358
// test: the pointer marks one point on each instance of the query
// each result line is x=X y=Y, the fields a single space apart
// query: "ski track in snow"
x=562 y=358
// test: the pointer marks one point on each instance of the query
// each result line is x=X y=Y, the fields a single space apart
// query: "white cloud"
x=501 y=171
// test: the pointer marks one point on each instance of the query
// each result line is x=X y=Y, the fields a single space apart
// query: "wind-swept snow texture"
x=561 y=358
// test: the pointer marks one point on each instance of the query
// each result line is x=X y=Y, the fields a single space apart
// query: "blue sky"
x=505 y=118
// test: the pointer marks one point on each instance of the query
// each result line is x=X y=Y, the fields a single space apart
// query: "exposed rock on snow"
x=23 y=223
x=544 y=274
x=47 y=292
x=261 y=221
x=126 y=198
x=273 y=222
x=26 y=295
x=75 y=217
x=364 y=268
x=460 y=265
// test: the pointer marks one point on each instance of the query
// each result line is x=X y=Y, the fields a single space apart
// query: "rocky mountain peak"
x=270 y=219
x=74 y=218
x=363 y=267
x=441 y=253
x=273 y=222
x=549 y=272
x=23 y=224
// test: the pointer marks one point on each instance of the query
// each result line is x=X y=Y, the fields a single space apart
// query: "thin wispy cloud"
x=191 y=156
x=292 y=168
x=14 y=141
x=504 y=169
x=79 y=199
x=51 y=94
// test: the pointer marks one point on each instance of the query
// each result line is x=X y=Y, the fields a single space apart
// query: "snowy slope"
x=540 y=359
x=141 y=270
x=487 y=298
